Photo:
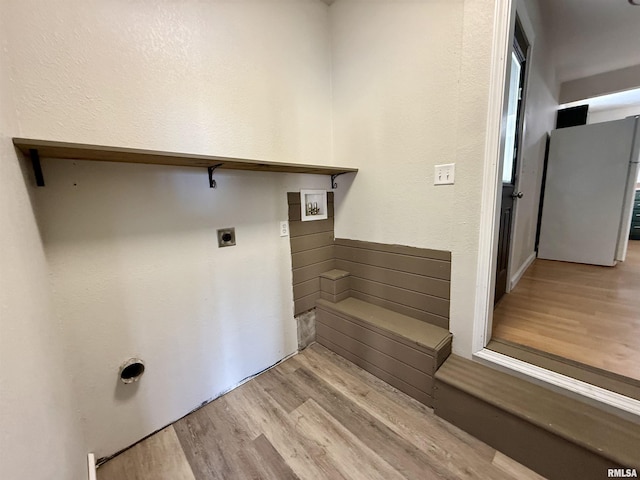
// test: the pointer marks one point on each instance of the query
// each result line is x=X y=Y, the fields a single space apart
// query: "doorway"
x=541 y=82
x=512 y=146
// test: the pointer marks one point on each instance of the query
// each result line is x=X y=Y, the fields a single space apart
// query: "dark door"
x=511 y=153
x=504 y=237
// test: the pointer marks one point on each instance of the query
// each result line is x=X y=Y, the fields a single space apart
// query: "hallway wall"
x=38 y=415
x=131 y=250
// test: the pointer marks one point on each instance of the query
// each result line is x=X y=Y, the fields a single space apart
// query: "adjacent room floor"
x=584 y=313
x=315 y=416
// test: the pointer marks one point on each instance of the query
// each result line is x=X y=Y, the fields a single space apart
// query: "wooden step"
x=556 y=436
x=402 y=351
x=629 y=387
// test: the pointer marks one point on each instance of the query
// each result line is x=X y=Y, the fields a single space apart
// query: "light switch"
x=444 y=174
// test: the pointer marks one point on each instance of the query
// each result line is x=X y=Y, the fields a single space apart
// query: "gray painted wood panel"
x=378 y=372
x=421 y=315
x=385 y=362
x=309 y=242
x=419 y=301
x=309 y=257
x=297 y=229
x=311 y=252
x=405 y=263
x=334 y=298
x=312 y=271
x=306 y=288
x=411 y=356
x=410 y=331
x=418 y=283
x=408 y=280
x=303 y=304
x=335 y=287
x=399 y=249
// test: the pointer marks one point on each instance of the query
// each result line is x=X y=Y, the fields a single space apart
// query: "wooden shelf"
x=37 y=149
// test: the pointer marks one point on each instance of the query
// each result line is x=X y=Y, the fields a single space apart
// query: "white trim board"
x=626 y=407
x=520 y=272
x=485 y=277
x=91 y=466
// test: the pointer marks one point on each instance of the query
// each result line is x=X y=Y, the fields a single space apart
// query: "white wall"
x=40 y=433
x=410 y=89
x=597 y=116
x=131 y=249
x=593 y=36
x=601 y=84
x=540 y=114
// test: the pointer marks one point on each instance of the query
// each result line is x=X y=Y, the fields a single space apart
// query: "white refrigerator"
x=592 y=173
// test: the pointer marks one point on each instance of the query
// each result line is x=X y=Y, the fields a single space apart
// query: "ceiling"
x=592 y=36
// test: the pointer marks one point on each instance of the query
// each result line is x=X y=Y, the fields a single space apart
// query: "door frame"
x=488 y=235
x=504 y=27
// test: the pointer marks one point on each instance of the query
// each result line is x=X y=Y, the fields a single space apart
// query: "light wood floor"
x=584 y=313
x=315 y=416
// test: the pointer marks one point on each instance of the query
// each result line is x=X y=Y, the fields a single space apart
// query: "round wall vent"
x=131 y=370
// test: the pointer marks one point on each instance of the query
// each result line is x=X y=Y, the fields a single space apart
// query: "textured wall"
x=410 y=91
x=244 y=78
x=601 y=84
x=597 y=116
x=131 y=249
x=38 y=416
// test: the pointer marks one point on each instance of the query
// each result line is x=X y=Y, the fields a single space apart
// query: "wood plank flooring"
x=586 y=313
x=315 y=416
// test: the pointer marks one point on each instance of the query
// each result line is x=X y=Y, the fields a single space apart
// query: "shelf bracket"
x=333 y=179
x=37 y=168
x=212 y=182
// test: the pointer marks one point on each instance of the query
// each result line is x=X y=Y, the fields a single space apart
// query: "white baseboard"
x=91 y=465
x=523 y=268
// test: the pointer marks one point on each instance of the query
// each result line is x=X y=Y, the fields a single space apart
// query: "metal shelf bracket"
x=212 y=182
x=333 y=179
x=37 y=168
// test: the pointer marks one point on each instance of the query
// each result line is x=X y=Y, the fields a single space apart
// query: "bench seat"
x=401 y=350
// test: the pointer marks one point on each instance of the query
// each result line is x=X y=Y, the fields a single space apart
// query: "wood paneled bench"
x=557 y=436
x=401 y=350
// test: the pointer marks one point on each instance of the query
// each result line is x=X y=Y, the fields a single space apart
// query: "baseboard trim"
x=91 y=465
x=621 y=405
x=523 y=268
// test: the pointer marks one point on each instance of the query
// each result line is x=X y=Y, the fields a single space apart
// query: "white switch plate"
x=284 y=229
x=444 y=174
